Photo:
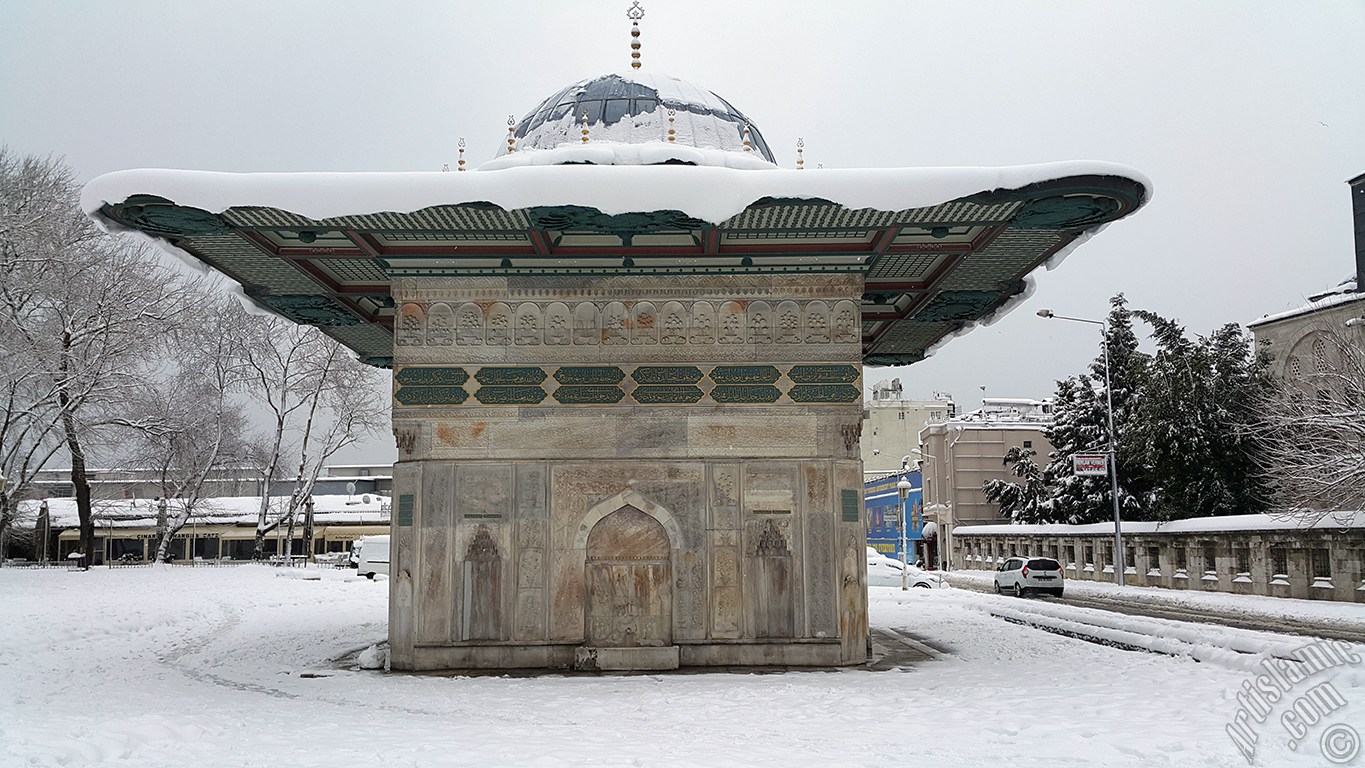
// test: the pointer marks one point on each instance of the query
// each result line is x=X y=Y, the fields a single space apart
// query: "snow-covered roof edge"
x=711 y=194
x=1325 y=302
x=1263 y=522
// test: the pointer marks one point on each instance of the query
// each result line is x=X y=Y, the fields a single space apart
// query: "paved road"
x=1131 y=607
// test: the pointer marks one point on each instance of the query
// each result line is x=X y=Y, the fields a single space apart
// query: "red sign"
x=1090 y=464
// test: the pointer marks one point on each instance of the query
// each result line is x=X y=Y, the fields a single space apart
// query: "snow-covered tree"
x=1020 y=502
x=1080 y=425
x=320 y=401
x=1312 y=430
x=83 y=314
x=1191 y=428
x=203 y=428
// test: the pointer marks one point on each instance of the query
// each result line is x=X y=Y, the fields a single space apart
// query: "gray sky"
x=1248 y=116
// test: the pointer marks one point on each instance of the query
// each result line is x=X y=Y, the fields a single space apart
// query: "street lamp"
x=1119 y=565
x=903 y=491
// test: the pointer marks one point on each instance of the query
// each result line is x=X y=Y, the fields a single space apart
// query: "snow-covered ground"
x=178 y=666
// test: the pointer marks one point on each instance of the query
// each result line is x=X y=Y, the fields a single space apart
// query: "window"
x=1182 y=559
x=1322 y=563
x=1129 y=557
x=1279 y=561
x=1154 y=559
x=1210 y=558
x=1071 y=553
x=1105 y=557
x=1089 y=554
x=901 y=415
x=1028 y=443
x=1243 y=560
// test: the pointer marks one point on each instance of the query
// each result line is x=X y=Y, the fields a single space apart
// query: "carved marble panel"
x=702 y=329
x=760 y=322
x=731 y=322
x=433 y=585
x=499 y=333
x=673 y=323
x=527 y=322
x=469 y=325
x=440 y=325
x=558 y=324
x=644 y=324
x=410 y=329
x=847 y=322
x=614 y=324
x=816 y=323
x=788 y=323
x=585 y=324
x=484 y=492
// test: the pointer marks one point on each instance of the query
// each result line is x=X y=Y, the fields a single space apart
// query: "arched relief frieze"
x=440 y=325
x=499 y=332
x=702 y=329
x=586 y=329
x=788 y=330
x=731 y=323
x=673 y=324
x=469 y=325
x=846 y=322
x=816 y=323
x=558 y=323
x=614 y=330
x=527 y=331
x=760 y=322
x=411 y=327
x=644 y=324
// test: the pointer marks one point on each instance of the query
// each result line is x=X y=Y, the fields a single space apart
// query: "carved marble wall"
x=650 y=464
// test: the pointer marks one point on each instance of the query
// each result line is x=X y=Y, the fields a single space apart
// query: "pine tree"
x=1080 y=425
x=1021 y=503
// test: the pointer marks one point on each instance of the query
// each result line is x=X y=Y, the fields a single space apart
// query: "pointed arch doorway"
x=629 y=580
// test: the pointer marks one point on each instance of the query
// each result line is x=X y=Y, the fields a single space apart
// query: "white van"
x=373 y=556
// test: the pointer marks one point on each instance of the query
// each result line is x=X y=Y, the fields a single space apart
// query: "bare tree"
x=1312 y=429
x=321 y=400
x=202 y=427
x=84 y=312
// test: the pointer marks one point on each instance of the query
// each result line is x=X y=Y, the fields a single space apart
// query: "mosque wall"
x=618 y=472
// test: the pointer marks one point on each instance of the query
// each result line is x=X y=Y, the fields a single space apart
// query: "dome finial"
x=584 y=123
x=511 y=134
x=748 y=145
x=460 y=162
x=672 y=134
x=800 y=154
x=635 y=13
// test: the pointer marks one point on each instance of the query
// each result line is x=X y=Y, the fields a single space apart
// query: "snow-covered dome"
x=632 y=109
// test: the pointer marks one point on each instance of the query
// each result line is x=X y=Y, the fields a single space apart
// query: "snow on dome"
x=632 y=109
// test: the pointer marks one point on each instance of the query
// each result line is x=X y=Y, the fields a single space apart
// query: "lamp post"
x=1119 y=565
x=903 y=491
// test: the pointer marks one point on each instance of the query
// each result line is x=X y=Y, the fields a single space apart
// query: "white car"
x=1022 y=575
x=883 y=571
x=373 y=557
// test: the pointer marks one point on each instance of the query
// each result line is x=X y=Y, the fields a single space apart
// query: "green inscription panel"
x=824 y=393
x=589 y=375
x=431 y=377
x=823 y=374
x=510 y=395
x=732 y=393
x=745 y=374
x=850 y=504
x=667 y=395
x=431 y=395
x=666 y=374
x=589 y=395
x=511 y=377
x=405 y=505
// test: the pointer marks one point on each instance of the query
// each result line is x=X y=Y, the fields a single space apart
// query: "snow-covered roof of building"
x=1346 y=292
x=231 y=510
x=1261 y=522
x=939 y=249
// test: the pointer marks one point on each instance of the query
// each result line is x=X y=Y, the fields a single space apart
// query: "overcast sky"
x=1248 y=117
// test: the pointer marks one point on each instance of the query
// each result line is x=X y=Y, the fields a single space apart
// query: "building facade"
x=961 y=454
x=892 y=424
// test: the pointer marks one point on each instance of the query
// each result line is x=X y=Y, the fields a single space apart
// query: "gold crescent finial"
x=461 y=160
x=511 y=134
x=748 y=145
x=672 y=134
x=635 y=13
x=800 y=154
x=584 y=123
